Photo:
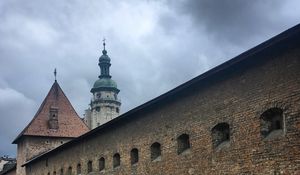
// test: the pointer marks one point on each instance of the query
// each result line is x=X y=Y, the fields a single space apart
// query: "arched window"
x=90 y=166
x=101 y=164
x=54 y=173
x=183 y=143
x=271 y=120
x=116 y=160
x=69 y=172
x=78 y=169
x=220 y=134
x=155 y=151
x=134 y=156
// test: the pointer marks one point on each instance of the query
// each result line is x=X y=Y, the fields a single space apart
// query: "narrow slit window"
x=271 y=121
x=183 y=143
x=155 y=151
x=134 y=155
x=78 y=169
x=116 y=160
x=90 y=166
x=101 y=164
x=69 y=171
x=220 y=134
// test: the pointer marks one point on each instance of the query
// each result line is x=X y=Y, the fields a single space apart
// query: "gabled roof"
x=285 y=40
x=70 y=124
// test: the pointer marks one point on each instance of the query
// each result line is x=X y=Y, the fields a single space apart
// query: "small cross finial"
x=104 y=43
x=55 y=73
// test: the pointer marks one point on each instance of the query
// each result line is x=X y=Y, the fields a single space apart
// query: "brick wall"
x=237 y=98
x=30 y=147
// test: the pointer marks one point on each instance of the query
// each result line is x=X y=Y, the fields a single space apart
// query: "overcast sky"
x=154 y=46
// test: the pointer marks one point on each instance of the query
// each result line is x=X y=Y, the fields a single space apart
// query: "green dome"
x=104 y=58
x=104 y=83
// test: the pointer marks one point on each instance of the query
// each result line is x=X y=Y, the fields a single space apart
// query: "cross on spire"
x=104 y=43
x=55 y=74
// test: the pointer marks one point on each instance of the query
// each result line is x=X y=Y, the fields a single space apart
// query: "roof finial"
x=55 y=73
x=103 y=43
x=104 y=51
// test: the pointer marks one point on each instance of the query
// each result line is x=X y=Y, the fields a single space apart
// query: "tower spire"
x=104 y=63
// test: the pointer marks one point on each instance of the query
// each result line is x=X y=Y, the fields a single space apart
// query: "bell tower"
x=105 y=104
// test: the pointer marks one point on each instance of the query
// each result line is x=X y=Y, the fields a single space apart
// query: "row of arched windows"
x=271 y=121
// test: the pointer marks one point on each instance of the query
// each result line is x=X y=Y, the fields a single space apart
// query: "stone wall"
x=237 y=98
x=30 y=147
x=13 y=172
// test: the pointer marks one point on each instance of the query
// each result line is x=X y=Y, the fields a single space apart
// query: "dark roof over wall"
x=9 y=167
x=278 y=44
x=70 y=124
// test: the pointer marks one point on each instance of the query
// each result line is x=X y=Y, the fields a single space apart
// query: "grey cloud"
x=238 y=22
x=15 y=109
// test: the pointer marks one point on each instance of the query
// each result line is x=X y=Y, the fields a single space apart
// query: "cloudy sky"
x=154 y=46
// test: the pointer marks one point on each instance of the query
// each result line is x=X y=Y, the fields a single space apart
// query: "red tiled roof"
x=70 y=124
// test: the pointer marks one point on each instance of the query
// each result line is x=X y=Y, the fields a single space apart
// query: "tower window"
x=78 y=169
x=61 y=171
x=98 y=109
x=117 y=110
x=155 y=151
x=90 y=166
x=134 y=155
x=53 y=118
x=183 y=143
x=54 y=173
x=220 y=134
x=271 y=120
x=101 y=164
x=116 y=160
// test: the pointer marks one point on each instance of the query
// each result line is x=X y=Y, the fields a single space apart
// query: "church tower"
x=105 y=104
x=55 y=123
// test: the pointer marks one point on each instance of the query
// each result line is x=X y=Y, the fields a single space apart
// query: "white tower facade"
x=105 y=104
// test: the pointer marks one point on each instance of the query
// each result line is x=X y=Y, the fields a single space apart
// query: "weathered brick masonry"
x=237 y=92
